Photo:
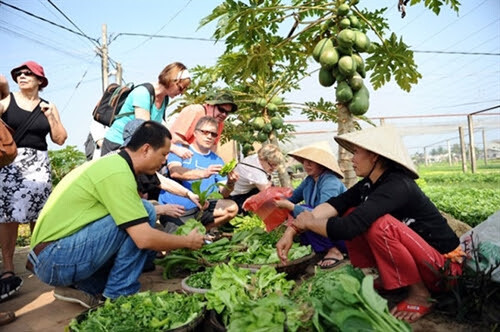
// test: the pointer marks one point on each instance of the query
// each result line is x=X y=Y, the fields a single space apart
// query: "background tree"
x=268 y=44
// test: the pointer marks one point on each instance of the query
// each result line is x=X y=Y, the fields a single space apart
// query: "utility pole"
x=471 y=143
x=462 y=148
x=119 y=73
x=104 y=57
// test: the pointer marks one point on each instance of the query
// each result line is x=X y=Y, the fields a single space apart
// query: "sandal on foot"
x=7 y=317
x=9 y=285
x=423 y=310
x=334 y=262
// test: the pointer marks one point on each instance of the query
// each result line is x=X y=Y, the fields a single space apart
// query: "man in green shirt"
x=91 y=235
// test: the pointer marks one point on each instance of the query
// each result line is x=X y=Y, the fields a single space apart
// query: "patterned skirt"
x=25 y=186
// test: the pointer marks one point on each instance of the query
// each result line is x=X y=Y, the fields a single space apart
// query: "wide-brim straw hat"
x=320 y=153
x=384 y=141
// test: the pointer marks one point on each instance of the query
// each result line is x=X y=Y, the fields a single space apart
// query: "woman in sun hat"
x=26 y=183
x=393 y=226
x=322 y=183
x=173 y=80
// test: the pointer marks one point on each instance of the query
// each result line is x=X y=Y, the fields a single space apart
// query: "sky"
x=458 y=83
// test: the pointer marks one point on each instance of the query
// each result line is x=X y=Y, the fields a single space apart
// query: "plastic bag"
x=262 y=204
x=486 y=237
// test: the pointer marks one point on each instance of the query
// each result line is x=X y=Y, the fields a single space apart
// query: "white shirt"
x=249 y=176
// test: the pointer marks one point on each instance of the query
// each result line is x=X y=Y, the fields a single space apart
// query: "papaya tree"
x=269 y=44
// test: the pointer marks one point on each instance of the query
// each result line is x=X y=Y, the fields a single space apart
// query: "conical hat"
x=321 y=154
x=384 y=141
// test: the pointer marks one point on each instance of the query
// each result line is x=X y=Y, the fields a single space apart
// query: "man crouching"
x=91 y=235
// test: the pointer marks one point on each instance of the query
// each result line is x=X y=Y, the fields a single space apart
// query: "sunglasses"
x=208 y=132
x=25 y=72
x=222 y=110
x=181 y=88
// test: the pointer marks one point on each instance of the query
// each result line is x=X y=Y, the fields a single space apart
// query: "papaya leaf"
x=435 y=5
x=393 y=57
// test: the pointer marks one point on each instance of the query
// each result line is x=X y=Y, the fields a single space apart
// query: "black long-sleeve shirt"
x=397 y=194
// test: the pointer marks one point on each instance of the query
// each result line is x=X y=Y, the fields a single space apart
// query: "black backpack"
x=108 y=107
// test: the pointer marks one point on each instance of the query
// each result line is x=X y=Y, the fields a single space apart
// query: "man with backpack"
x=91 y=236
x=218 y=106
x=146 y=101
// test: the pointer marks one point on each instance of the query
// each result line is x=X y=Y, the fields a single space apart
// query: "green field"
x=468 y=197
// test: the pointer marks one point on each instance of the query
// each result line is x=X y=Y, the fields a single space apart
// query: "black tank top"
x=35 y=136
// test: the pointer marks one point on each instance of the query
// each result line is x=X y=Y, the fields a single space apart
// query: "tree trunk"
x=346 y=125
x=282 y=173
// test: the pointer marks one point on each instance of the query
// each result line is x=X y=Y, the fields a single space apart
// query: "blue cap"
x=130 y=129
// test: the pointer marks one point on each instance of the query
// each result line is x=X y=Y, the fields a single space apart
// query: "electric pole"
x=119 y=73
x=104 y=57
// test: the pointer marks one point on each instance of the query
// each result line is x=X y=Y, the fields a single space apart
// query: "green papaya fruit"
x=362 y=72
x=360 y=102
x=276 y=122
x=345 y=23
x=262 y=137
x=344 y=50
x=343 y=9
x=258 y=123
x=343 y=92
x=277 y=100
x=326 y=78
x=356 y=82
x=354 y=21
x=361 y=43
x=267 y=128
x=346 y=37
x=261 y=101
x=329 y=57
x=272 y=107
x=320 y=46
x=360 y=64
x=347 y=66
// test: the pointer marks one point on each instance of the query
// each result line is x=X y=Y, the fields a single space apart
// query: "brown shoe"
x=7 y=317
x=74 y=295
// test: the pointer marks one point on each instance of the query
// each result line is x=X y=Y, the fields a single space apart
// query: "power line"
x=161 y=36
x=168 y=22
x=70 y=21
x=47 y=21
x=461 y=53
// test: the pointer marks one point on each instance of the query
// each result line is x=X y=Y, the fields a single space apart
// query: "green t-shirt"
x=88 y=193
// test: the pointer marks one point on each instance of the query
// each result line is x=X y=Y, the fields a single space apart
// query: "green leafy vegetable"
x=227 y=168
x=201 y=279
x=146 y=311
x=344 y=299
x=189 y=225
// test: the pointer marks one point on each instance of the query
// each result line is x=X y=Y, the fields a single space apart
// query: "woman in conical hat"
x=322 y=183
x=387 y=222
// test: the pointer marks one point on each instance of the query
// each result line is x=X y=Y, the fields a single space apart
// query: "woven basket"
x=190 y=289
x=192 y=326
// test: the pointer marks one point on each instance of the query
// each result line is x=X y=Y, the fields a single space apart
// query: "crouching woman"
x=387 y=221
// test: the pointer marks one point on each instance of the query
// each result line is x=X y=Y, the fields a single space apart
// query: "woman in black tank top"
x=26 y=183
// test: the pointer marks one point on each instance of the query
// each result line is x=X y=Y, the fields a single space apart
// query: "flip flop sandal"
x=335 y=262
x=423 y=310
x=9 y=285
x=7 y=317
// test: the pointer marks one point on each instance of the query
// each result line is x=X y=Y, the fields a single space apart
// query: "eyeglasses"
x=208 y=132
x=222 y=110
x=181 y=88
x=25 y=72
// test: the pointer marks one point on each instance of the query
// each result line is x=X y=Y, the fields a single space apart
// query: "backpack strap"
x=151 y=91
x=260 y=169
